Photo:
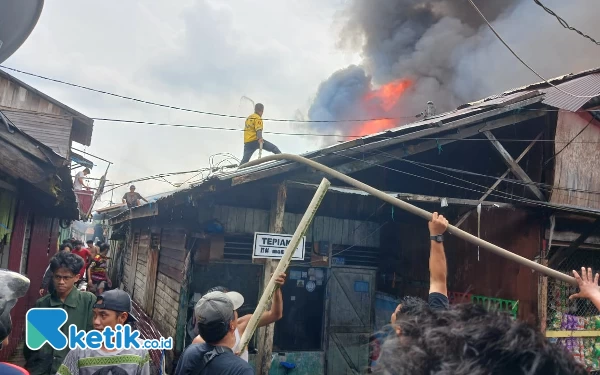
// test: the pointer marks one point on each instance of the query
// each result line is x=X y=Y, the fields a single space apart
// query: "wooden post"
x=281 y=267
x=264 y=338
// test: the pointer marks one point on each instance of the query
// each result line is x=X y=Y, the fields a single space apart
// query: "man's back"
x=226 y=363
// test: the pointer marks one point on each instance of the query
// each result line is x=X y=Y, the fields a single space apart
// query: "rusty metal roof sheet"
x=583 y=86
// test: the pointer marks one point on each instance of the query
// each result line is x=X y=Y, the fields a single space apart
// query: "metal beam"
x=514 y=166
x=499 y=180
x=563 y=254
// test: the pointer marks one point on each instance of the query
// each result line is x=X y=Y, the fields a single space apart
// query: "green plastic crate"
x=497 y=304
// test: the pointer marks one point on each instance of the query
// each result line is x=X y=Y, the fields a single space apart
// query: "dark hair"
x=217 y=289
x=412 y=306
x=99 y=243
x=90 y=241
x=86 y=170
x=104 y=247
x=67 y=241
x=64 y=246
x=71 y=261
x=467 y=339
x=214 y=332
x=259 y=107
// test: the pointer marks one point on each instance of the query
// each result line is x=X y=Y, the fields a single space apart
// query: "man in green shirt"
x=78 y=305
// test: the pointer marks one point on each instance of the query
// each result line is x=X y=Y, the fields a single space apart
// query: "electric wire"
x=509 y=197
x=564 y=23
x=323 y=134
x=523 y=62
x=216 y=114
x=571 y=141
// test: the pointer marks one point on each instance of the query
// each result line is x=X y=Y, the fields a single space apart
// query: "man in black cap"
x=132 y=198
x=217 y=322
x=112 y=308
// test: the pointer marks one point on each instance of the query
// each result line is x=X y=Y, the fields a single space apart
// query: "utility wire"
x=317 y=134
x=194 y=110
x=523 y=62
x=523 y=200
x=571 y=141
x=564 y=23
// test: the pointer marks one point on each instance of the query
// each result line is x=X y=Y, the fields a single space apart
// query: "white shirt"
x=238 y=342
x=77 y=184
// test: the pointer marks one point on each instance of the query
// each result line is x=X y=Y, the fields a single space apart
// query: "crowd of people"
x=424 y=337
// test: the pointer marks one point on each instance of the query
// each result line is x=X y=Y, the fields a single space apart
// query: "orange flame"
x=384 y=99
x=390 y=93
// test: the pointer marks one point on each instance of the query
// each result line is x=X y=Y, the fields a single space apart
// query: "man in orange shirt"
x=253 y=135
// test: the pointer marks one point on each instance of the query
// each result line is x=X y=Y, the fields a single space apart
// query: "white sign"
x=273 y=245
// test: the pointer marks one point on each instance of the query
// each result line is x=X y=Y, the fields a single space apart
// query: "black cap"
x=116 y=300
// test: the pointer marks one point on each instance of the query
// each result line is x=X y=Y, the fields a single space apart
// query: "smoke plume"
x=415 y=51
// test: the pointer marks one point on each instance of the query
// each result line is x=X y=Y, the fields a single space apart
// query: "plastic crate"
x=497 y=304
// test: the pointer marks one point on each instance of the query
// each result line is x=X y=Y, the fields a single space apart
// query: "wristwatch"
x=438 y=238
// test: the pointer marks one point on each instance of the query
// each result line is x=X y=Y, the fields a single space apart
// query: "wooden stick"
x=419 y=212
x=284 y=262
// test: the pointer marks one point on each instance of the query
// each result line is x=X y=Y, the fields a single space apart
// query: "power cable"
x=317 y=134
x=193 y=110
x=524 y=200
x=571 y=141
x=523 y=62
x=564 y=23
x=541 y=185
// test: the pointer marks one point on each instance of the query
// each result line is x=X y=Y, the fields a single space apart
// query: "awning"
x=76 y=158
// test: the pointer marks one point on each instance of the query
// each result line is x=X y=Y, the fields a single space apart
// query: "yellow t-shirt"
x=253 y=124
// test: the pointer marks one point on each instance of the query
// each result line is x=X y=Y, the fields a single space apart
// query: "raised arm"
x=271 y=316
x=438 y=269
x=588 y=286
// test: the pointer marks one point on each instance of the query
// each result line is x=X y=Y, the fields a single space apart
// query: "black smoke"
x=449 y=54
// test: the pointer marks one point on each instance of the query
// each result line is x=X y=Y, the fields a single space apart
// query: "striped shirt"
x=118 y=362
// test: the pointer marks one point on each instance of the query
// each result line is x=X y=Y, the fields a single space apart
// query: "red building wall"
x=42 y=246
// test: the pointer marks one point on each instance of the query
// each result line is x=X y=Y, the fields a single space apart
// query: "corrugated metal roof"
x=582 y=86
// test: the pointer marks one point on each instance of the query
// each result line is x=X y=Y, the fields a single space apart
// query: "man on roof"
x=132 y=199
x=253 y=135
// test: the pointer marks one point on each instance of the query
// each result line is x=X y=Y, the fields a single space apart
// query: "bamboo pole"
x=284 y=262
x=419 y=212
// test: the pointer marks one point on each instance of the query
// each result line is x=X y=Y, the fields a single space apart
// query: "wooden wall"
x=139 y=287
x=52 y=130
x=406 y=253
x=168 y=282
x=138 y=282
x=336 y=231
x=578 y=165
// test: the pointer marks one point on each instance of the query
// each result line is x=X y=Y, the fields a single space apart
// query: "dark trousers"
x=250 y=147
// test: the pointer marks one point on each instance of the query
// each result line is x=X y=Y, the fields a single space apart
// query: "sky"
x=198 y=54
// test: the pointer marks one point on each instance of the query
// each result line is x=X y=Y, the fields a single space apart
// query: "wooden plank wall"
x=15 y=96
x=53 y=131
x=168 y=281
x=237 y=220
x=128 y=276
x=577 y=166
x=139 y=289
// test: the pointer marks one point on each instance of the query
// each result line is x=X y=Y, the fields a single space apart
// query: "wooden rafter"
x=563 y=254
x=499 y=180
x=514 y=166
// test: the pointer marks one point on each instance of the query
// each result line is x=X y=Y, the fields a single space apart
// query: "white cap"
x=236 y=298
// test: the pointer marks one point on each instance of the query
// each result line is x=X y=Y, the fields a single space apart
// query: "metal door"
x=351 y=294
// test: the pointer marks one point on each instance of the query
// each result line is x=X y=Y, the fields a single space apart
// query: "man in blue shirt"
x=217 y=323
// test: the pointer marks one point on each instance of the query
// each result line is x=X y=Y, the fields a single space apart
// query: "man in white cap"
x=217 y=324
x=268 y=317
